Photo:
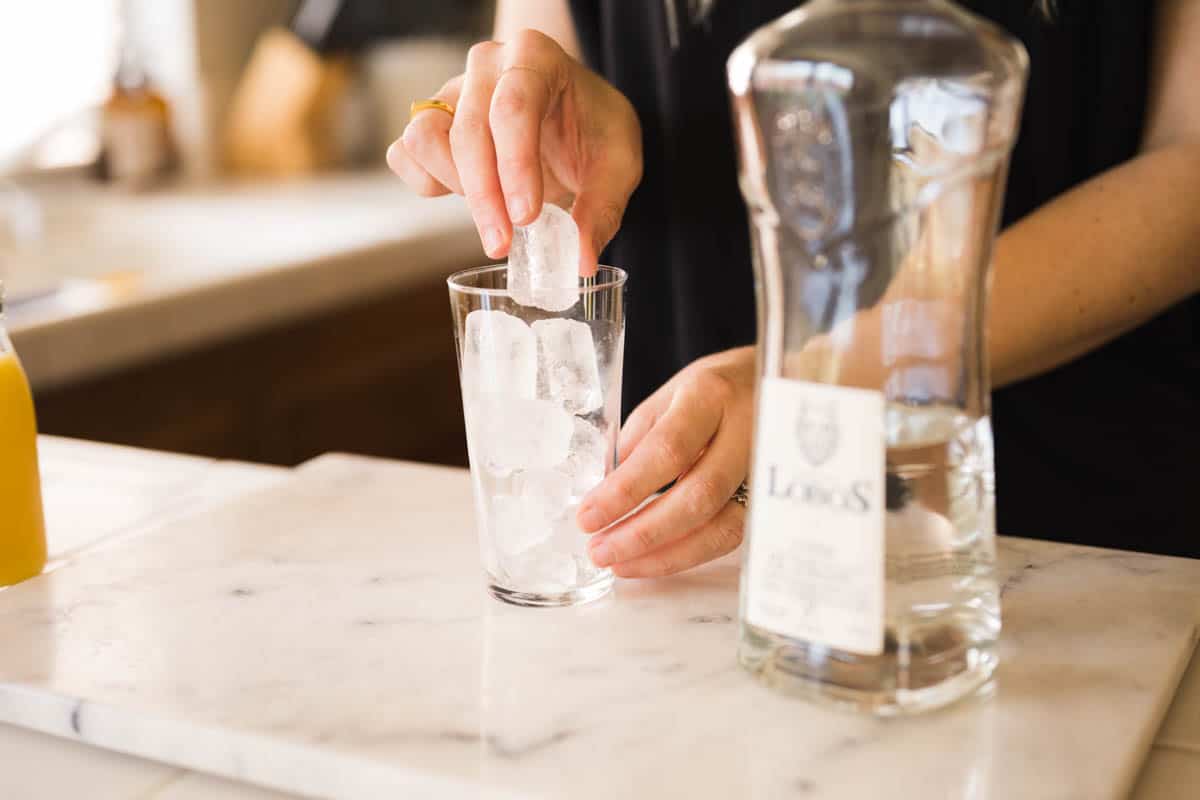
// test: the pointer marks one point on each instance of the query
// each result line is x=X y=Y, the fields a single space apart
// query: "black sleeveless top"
x=1101 y=451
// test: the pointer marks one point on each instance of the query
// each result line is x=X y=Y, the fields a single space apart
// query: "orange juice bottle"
x=22 y=531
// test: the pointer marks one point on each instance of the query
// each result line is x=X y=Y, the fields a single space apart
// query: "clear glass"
x=542 y=402
x=874 y=138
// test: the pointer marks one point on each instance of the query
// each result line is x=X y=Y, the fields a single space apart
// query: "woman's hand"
x=696 y=431
x=531 y=124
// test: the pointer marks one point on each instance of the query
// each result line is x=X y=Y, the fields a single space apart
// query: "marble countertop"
x=517 y=712
x=141 y=276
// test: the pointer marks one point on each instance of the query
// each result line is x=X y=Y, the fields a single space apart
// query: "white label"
x=815 y=565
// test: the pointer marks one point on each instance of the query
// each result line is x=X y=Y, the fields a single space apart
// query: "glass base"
x=571 y=597
x=946 y=665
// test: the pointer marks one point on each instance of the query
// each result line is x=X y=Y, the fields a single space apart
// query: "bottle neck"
x=131 y=70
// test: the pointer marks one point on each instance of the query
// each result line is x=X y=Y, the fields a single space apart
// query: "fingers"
x=722 y=534
x=426 y=140
x=412 y=173
x=519 y=134
x=534 y=75
x=517 y=128
x=474 y=151
x=696 y=499
x=670 y=447
x=610 y=182
x=598 y=213
x=643 y=418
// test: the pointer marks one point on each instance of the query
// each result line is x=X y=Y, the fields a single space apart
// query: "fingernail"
x=600 y=552
x=493 y=238
x=590 y=518
x=518 y=208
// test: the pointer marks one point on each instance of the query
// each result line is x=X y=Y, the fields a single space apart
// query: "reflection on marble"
x=331 y=636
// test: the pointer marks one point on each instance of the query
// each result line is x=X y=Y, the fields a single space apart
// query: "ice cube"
x=558 y=561
x=513 y=531
x=541 y=569
x=543 y=262
x=510 y=433
x=587 y=455
x=559 y=568
x=566 y=537
x=499 y=355
x=544 y=493
x=567 y=370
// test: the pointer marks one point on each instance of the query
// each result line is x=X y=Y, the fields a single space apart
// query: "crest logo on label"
x=817 y=431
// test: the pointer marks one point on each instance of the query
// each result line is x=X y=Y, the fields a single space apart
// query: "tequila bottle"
x=874 y=138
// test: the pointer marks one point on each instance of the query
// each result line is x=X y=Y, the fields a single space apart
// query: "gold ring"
x=424 y=105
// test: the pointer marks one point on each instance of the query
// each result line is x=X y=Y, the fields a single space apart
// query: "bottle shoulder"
x=865 y=47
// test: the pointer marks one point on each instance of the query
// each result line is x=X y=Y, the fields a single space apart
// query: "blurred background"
x=200 y=246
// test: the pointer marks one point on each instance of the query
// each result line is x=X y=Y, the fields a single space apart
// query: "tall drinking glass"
x=542 y=402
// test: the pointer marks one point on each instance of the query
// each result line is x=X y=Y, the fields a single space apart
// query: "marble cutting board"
x=329 y=636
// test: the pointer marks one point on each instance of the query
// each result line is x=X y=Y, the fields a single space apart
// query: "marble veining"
x=330 y=636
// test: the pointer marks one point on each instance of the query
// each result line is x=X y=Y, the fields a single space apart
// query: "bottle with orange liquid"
x=22 y=530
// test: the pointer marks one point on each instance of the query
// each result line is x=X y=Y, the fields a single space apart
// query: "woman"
x=1094 y=311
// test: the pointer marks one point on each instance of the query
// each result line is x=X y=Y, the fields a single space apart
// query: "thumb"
x=597 y=212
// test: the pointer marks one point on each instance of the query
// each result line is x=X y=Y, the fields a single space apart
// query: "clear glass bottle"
x=22 y=530
x=874 y=138
x=137 y=149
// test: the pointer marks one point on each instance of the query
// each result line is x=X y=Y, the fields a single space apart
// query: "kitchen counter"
x=526 y=730
x=132 y=278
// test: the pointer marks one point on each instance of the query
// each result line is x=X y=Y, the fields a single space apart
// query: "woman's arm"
x=1118 y=249
x=551 y=17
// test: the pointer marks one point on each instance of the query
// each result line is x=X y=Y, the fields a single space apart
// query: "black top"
x=1101 y=451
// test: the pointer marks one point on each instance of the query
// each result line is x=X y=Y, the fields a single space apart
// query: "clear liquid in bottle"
x=874 y=138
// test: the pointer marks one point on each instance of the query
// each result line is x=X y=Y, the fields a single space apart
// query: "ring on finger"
x=429 y=103
x=741 y=495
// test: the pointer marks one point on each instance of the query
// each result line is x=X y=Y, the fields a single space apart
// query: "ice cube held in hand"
x=567 y=369
x=512 y=433
x=587 y=456
x=514 y=532
x=499 y=355
x=543 y=262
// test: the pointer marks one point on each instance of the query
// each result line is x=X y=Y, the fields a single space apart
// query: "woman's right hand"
x=531 y=124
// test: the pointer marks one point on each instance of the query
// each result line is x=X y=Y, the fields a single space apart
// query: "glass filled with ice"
x=540 y=353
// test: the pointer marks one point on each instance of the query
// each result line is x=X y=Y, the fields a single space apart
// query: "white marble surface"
x=194 y=265
x=330 y=636
x=95 y=492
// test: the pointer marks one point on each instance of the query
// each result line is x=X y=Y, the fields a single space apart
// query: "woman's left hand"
x=696 y=431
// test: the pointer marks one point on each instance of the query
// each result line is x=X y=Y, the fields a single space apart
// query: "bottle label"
x=815 y=564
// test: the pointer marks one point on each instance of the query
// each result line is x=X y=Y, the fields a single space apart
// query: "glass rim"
x=455 y=281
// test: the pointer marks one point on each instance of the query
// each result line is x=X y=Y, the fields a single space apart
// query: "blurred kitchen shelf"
x=268 y=322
